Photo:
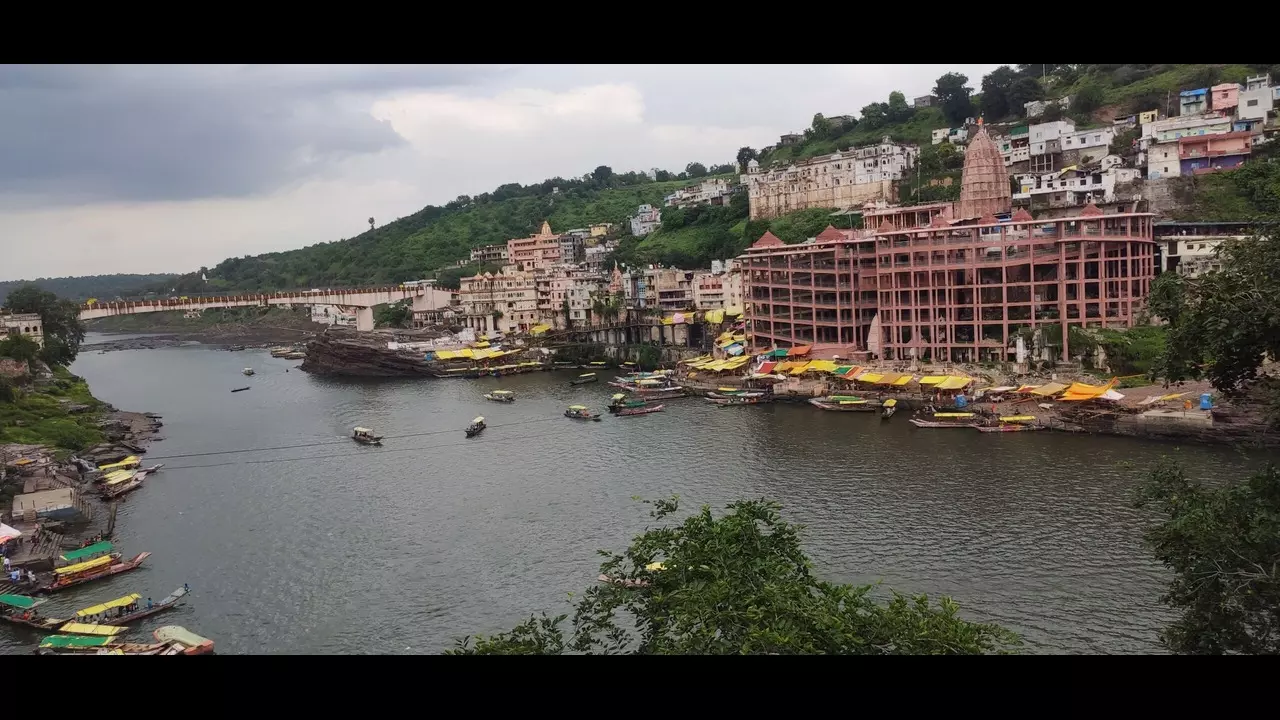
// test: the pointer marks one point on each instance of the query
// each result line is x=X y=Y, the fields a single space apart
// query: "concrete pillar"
x=364 y=319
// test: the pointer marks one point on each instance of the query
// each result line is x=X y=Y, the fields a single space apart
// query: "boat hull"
x=834 y=407
x=933 y=424
x=110 y=571
x=627 y=412
x=1009 y=428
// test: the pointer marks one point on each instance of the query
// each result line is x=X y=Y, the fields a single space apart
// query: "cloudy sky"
x=108 y=169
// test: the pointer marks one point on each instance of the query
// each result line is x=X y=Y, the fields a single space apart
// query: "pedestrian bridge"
x=362 y=299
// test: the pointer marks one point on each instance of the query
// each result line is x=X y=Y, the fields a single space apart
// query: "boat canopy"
x=87 y=552
x=85 y=629
x=618 y=396
x=587 y=375
x=1018 y=418
x=118 y=602
x=22 y=602
x=649 y=381
x=890 y=402
x=655 y=566
x=478 y=420
x=597 y=362
x=628 y=363
x=121 y=476
x=73 y=641
x=853 y=402
x=953 y=415
x=501 y=392
x=577 y=407
x=131 y=461
x=843 y=398
x=364 y=431
x=81 y=567
x=179 y=634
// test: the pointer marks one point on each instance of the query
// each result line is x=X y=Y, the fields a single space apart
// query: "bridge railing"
x=244 y=298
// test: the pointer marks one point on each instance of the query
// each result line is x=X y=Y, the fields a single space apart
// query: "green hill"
x=90 y=286
x=436 y=237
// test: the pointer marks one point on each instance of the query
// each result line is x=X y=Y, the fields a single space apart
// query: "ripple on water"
x=403 y=548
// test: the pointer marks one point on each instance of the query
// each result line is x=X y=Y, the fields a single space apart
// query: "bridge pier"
x=364 y=319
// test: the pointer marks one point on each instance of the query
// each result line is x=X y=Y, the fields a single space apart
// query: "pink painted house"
x=1202 y=154
x=1226 y=97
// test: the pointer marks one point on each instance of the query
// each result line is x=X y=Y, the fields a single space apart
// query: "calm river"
x=339 y=548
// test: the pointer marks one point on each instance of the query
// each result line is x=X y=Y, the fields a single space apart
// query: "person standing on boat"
x=6 y=563
x=149 y=604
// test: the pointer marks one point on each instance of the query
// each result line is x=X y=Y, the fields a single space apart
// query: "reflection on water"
x=336 y=547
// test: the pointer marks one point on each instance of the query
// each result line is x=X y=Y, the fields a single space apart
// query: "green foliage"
x=63 y=331
x=101 y=287
x=691 y=237
x=21 y=348
x=954 y=97
x=1023 y=91
x=1221 y=544
x=648 y=357
x=695 y=170
x=392 y=315
x=1123 y=144
x=746 y=155
x=1088 y=97
x=1133 y=351
x=37 y=416
x=1222 y=324
x=1249 y=192
x=739 y=584
x=997 y=87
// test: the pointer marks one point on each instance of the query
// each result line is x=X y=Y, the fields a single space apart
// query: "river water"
x=338 y=548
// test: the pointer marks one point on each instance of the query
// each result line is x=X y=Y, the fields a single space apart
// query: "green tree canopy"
x=1087 y=98
x=997 y=86
x=954 y=97
x=1023 y=91
x=897 y=110
x=738 y=584
x=696 y=169
x=746 y=155
x=1223 y=546
x=63 y=331
x=21 y=348
x=874 y=115
x=392 y=315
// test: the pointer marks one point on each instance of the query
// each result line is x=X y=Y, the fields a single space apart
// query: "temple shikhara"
x=965 y=281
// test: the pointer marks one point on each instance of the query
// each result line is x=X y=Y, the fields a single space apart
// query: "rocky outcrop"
x=354 y=354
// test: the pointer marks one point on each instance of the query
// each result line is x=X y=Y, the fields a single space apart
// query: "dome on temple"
x=1091 y=210
x=1022 y=216
x=829 y=235
x=984 y=185
x=939 y=221
x=886 y=226
x=768 y=239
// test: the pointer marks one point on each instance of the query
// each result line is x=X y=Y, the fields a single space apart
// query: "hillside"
x=437 y=237
x=90 y=286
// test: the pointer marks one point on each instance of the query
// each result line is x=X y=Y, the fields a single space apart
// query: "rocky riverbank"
x=276 y=327
x=342 y=352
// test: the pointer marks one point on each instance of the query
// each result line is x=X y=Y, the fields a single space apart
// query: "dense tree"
x=1023 y=91
x=392 y=315
x=738 y=584
x=371 y=224
x=663 y=176
x=746 y=155
x=63 y=331
x=1222 y=544
x=897 y=110
x=725 y=169
x=820 y=128
x=97 y=287
x=997 y=87
x=20 y=348
x=695 y=170
x=874 y=115
x=602 y=174
x=1223 y=323
x=954 y=97
x=1087 y=98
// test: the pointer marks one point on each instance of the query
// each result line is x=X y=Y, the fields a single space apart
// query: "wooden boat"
x=580 y=412
x=843 y=403
x=720 y=395
x=240 y=389
x=170 y=640
x=948 y=420
x=583 y=379
x=501 y=396
x=726 y=402
x=365 y=436
x=21 y=610
x=247 y=371
x=235 y=348
x=130 y=463
x=129 y=608
x=890 y=407
x=625 y=412
x=619 y=402
x=476 y=427
x=1008 y=428
x=88 y=552
x=111 y=492
x=96 y=569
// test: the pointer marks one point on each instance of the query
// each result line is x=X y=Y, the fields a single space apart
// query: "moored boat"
x=619 y=401
x=1012 y=423
x=583 y=379
x=505 y=396
x=580 y=412
x=130 y=463
x=728 y=401
x=247 y=371
x=21 y=610
x=476 y=427
x=890 y=407
x=365 y=436
x=96 y=569
x=624 y=412
x=170 y=640
x=948 y=420
x=128 y=609
x=240 y=389
x=843 y=403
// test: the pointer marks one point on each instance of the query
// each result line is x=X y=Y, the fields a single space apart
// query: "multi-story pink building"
x=537 y=251
x=1226 y=98
x=957 y=282
x=1210 y=153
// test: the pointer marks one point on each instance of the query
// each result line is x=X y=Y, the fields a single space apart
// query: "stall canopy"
x=779 y=353
x=8 y=533
x=1048 y=389
x=822 y=366
x=799 y=351
x=1080 y=391
x=954 y=382
x=768 y=367
x=715 y=316
x=869 y=377
x=539 y=329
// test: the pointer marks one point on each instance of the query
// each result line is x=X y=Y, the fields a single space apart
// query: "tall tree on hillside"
x=746 y=155
x=602 y=174
x=874 y=116
x=737 y=584
x=820 y=128
x=1087 y=98
x=63 y=331
x=695 y=169
x=1023 y=91
x=996 y=86
x=897 y=110
x=370 y=223
x=954 y=97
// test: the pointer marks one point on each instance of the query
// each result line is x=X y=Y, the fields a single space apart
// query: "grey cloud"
x=145 y=133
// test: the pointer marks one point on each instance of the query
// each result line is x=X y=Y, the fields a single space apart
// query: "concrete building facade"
x=647 y=219
x=1256 y=100
x=1212 y=153
x=25 y=324
x=844 y=179
x=496 y=254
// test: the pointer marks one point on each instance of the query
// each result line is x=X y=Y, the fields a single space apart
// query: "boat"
x=129 y=463
x=170 y=640
x=111 y=492
x=727 y=401
x=843 y=403
x=580 y=412
x=619 y=401
x=501 y=396
x=235 y=348
x=240 y=389
x=279 y=352
x=98 y=629
x=1013 y=423
x=88 y=552
x=947 y=420
x=890 y=407
x=247 y=371
x=21 y=610
x=624 y=412
x=583 y=379
x=96 y=569
x=130 y=608
x=476 y=427
x=365 y=436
